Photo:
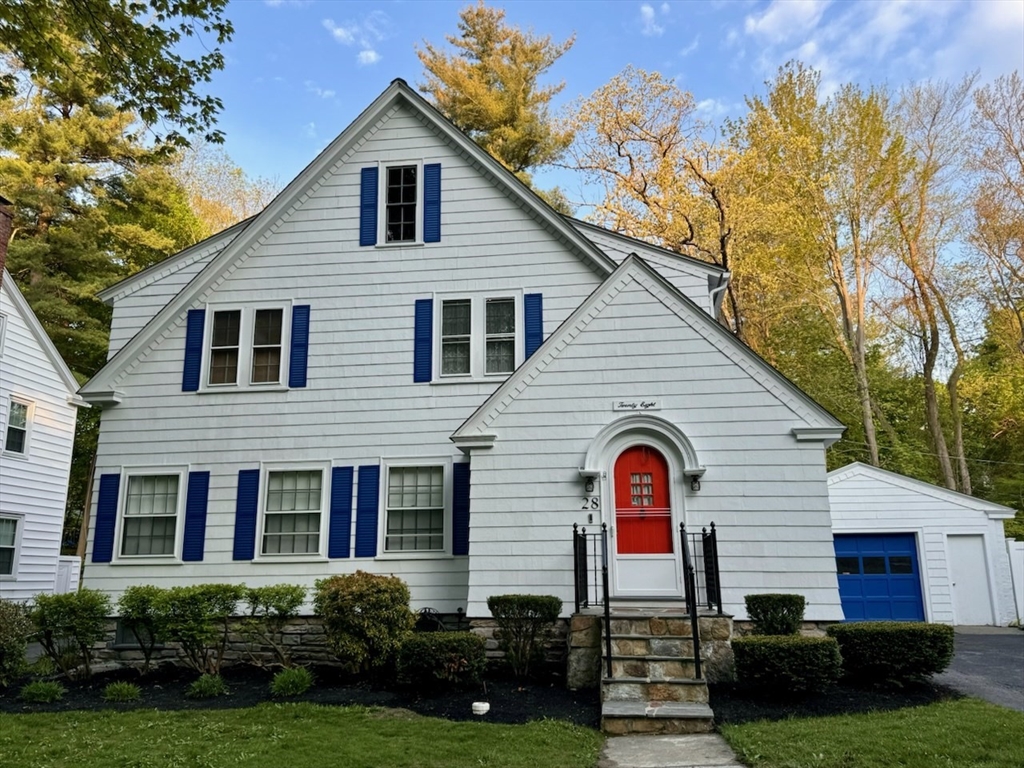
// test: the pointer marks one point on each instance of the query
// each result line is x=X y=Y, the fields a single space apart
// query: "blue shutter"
x=195 y=516
x=423 y=336
x=366 y=510
x=460 y=509
x=106 y=517
x=193 y=350
x=246 y=506
x=340 y=531
x=533 y=316
x=432 y=203
x=300 y=346
x=368 y=206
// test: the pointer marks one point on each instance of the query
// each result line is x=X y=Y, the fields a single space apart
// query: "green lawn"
x=965 y=733
x=286 y=735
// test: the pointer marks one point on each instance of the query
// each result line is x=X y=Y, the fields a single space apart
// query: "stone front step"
x=622 y=717
x=645 y=645
x=640 y=689
x=653 y=667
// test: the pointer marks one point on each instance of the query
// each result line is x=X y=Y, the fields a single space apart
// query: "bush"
x=207 y=687
x=15 y=629
x=197 y=618
x=450 y=658
x=139 y=609
x=291 y=682
x=787 y=664
x=524 y=621
x=893 y=652
x=366 y=618
x=43 y=692
x=270 y=609
x=69 y=625
x=775 y=614
x=122 y=692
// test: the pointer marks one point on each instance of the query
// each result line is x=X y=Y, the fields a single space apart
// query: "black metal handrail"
x=704 y=558
x=690 y=590
x=590 y=577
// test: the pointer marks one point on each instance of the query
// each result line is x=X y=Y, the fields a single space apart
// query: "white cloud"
x=648 y=23
x=309 y=131
x=323 y=93
x=711 y=108
x=783 y=20
x=665 y=8
x=368 y=57
x=691 y=47
x=345 y=35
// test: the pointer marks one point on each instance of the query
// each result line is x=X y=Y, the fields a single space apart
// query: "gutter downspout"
x=717 y=292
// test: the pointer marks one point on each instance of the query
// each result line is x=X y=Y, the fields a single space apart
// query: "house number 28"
x=591 y=502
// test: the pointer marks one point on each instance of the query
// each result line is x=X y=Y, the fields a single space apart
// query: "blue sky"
x=298 y=71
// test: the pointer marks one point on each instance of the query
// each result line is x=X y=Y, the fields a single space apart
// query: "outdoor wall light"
x=694 y=482
x=588 y=486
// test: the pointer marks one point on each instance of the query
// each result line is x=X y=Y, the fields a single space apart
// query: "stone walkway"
x=702 y=750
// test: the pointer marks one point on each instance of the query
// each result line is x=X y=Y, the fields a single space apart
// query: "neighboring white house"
x=907 y=549
x=38 y=409
x=410 y=364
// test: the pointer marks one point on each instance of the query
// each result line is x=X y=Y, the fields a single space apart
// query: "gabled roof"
x=35 y=327
x=859 y=469
x=172 y=264
x=103 y=385
x=473 y=432
x=631 y=243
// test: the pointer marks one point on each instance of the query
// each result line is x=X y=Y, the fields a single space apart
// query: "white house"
x=410 y=364
x=909 y=550
x=38 y=409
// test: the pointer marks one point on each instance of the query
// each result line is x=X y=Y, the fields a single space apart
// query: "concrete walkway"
x=701 y=750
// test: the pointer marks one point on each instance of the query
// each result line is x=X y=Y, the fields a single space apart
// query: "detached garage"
x=911 y=551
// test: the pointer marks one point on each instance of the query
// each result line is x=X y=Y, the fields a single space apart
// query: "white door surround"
x=968 y=572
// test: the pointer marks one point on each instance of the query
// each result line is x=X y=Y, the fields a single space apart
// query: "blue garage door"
x=879 y=578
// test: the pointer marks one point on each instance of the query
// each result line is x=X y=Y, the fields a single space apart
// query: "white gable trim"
x=656 y=251
x=22 y=308
x=634 y=268
x=859 y=469
x=308 y=181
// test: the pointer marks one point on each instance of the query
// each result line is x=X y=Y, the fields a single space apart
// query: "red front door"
x=643 y=514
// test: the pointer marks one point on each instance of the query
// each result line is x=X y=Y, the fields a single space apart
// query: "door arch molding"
x=638 y=426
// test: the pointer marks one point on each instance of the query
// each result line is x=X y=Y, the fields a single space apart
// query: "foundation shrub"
x=524 y=621
x=366 y=617
x=15 y=630
x=291 y=682
x=775 y=614
x=451 y=659
x=269 y=609
x=892 y=652
x=122 y=692
x=197 y=618
x=207 y=687
x=139 y=609
x=787 y=663
x=43 y=692
x=69 y=625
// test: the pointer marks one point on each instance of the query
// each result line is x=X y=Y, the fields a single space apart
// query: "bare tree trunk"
x=952 y=388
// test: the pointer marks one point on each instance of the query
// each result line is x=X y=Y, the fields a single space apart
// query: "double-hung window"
x=479 y=336
x=150 y=515
x=245 y=347
x=401 y=190
x=415 y=509
x=293 y=512
x=9 y=545
x=19 y=420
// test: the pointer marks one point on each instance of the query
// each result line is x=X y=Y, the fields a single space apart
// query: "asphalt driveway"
x=988 y=662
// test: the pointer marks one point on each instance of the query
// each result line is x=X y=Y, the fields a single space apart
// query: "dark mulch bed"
x=734 y=704
x=164 y=688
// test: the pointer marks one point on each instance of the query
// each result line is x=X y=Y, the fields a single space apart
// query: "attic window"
x=400 y=222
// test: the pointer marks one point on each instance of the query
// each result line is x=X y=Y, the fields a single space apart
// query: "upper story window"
x=480 y=335
x=149 y=524
x=9 y=545
x=400 y=203
x=19 y=421
x=245 y=347
x=293 y=512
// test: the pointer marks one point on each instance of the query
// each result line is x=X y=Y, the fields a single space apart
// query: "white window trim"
x=3 y=332
x=29 y=419
x=445 y=462
x=19 y=520
x=179 y=525
x=246 y=337
x=477 y=338
x=382 y=203
x=325 y=496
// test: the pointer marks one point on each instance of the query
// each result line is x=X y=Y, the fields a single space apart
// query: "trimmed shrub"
x=450 y=658
x=69 y=625
x=269 y=610
x=197 y=618
x=43 y=692
x=291 y=682
x=207 y=687
x=122 y=692
x=366 y=618
x=775 y=614
x=15 y=630
x=787 y=663
x=139 y=610
x=892 y=652
x=524 y=621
